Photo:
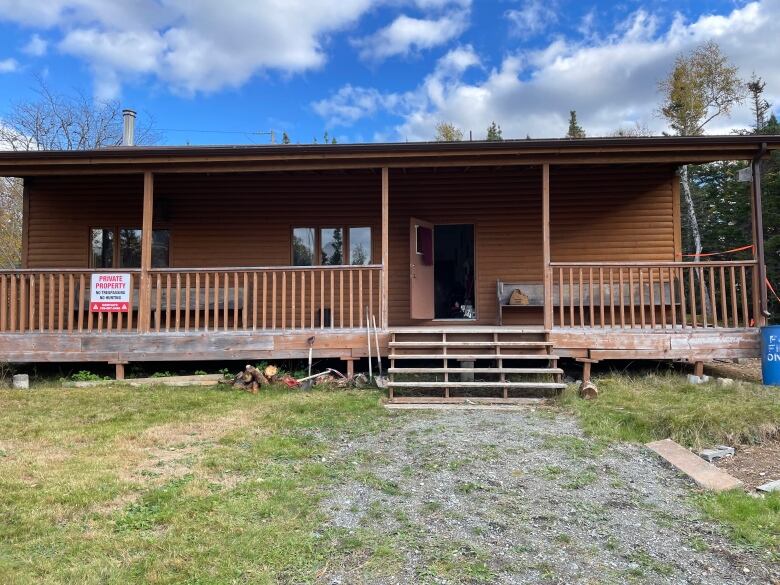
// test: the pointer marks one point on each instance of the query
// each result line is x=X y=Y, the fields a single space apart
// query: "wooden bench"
x=535 y=294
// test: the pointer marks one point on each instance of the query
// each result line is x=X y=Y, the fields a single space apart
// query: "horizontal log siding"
x=597 y=213
x=215 y=220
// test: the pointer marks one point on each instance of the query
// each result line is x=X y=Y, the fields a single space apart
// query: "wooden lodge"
x=481 y=257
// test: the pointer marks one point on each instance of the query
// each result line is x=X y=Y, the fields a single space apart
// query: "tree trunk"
x=695 y=233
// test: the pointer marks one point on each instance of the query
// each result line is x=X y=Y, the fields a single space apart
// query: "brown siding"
x=597 y=213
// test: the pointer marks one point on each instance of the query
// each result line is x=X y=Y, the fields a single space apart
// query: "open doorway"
x=453 y=271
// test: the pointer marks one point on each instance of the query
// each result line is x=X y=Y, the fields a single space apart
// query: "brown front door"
x=421 y=269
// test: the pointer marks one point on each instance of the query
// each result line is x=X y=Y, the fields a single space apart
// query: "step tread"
x=486 y=356
x=475 y=370
x=476 y=329
x=539 y=344
x=550 y=385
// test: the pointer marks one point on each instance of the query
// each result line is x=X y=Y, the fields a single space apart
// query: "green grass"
x=647 y=408
x=169 y=485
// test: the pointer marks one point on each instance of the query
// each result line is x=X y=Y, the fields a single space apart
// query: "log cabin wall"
x=597 y=213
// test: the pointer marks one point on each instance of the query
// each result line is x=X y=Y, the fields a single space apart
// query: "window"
x=331 y=246
x=303 y=246
x=125 y=252
x=337 y=246
x=102 y=246
x=360 y=245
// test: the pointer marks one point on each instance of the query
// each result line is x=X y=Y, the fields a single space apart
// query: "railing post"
x=760 y=302
x=548 y=287
x=384 y=288
x=145 y=288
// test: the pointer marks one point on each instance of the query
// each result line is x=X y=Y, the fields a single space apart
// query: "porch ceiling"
x=678 y=150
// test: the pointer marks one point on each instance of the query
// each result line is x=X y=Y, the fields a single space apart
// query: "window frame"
x=116 y=252
x=346 y=252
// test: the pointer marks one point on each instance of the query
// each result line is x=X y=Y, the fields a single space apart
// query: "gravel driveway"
x=518 y=496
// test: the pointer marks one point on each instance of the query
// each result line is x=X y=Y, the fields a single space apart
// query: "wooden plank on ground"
x=704 y=474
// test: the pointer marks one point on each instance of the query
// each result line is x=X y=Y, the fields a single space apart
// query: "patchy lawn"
x=169 y=485
x=201 y=485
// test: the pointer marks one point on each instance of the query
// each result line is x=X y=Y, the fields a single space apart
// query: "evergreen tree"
x=285 y=138
x=758 y=103
x=575 y=130
x=494 y=133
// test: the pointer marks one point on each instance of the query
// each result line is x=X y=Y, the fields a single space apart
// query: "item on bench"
x=518 y=297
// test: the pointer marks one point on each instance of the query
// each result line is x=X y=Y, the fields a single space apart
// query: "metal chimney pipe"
x=128 y=133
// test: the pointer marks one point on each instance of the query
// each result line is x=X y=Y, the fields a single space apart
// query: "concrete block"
x=718 y=452
x=772 y=486
x=21 y=381
x=724 y=381
x=692 y=379
x=466 y=376
x=704 y=474
x=705 y=379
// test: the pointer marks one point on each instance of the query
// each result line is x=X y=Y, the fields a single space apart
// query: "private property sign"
x=110 y=293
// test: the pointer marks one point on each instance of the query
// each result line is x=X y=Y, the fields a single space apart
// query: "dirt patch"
x=747 y=369
x=520 y=497
x=754 y=464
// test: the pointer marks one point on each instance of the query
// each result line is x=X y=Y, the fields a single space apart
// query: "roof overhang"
x=171 y=159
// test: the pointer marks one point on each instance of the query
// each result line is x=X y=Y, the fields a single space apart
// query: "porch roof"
x=664 y=149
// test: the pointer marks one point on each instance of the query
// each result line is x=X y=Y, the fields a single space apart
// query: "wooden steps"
x=470 y=362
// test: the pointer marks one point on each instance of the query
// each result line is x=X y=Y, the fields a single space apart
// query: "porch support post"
x=760 y=306
x=384 y=298
x=145 y=289
x=548 y=284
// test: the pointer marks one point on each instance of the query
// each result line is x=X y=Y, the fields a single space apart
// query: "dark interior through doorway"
x=453 y=271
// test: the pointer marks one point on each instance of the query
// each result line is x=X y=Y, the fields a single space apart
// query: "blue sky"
x=375 y=70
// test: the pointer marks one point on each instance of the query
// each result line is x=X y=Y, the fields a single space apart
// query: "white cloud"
x=36 y=46
x=189 y=45
x=533 y=17
x=8 y=65
x=406 y=34
x=611 y=82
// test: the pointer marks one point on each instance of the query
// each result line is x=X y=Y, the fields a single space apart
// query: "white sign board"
x=745 y=175
x=110 y=293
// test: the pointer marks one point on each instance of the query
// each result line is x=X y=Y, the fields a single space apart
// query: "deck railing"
x=196 y=299
x=654 y=295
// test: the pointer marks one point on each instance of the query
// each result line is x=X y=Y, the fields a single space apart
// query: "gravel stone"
x=521 y=497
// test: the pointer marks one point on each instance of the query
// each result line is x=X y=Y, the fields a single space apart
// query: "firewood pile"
x=251 y=379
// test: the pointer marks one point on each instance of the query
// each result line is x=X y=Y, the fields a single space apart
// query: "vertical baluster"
x=30 y=299
x=225 y=301
x=723 y=300
x=601 y=296
x=303 y=299
x=672 y=301
x=71 y=300
x=60 y=302
x=187 y=307
x=611 y=298
x=582 y=300
x=351 y=303
x=206 y=301
x=197 y=302
x=662 y=294
x=651 y=286
x=178 y=301
x=642 y=296
x=571 y=298
x=332 y=300
x=360 y=298
x=82 y=294
x=702 y=296
x=713 y=301
x=3 y=301
x=217 y=309
x=284 y=300
x=631 y=297
x=41 y=302
x=245 y=311
x=590 y=297
x=561 y=308
x=51 y=302
x=734 y=314
x=22 y=303
x=621 y=285
x=254 y=301
x=683 y=306
x=322 y=299
x=13 y=302
x=265 y=299
x=273 y=299
x=158 y=303
x=292 y=300
x=236 y=301
x=745 y=313
x=341 y=299
x=692 y=294
x=313 y=299
x=167 y=302
x=371 y=292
